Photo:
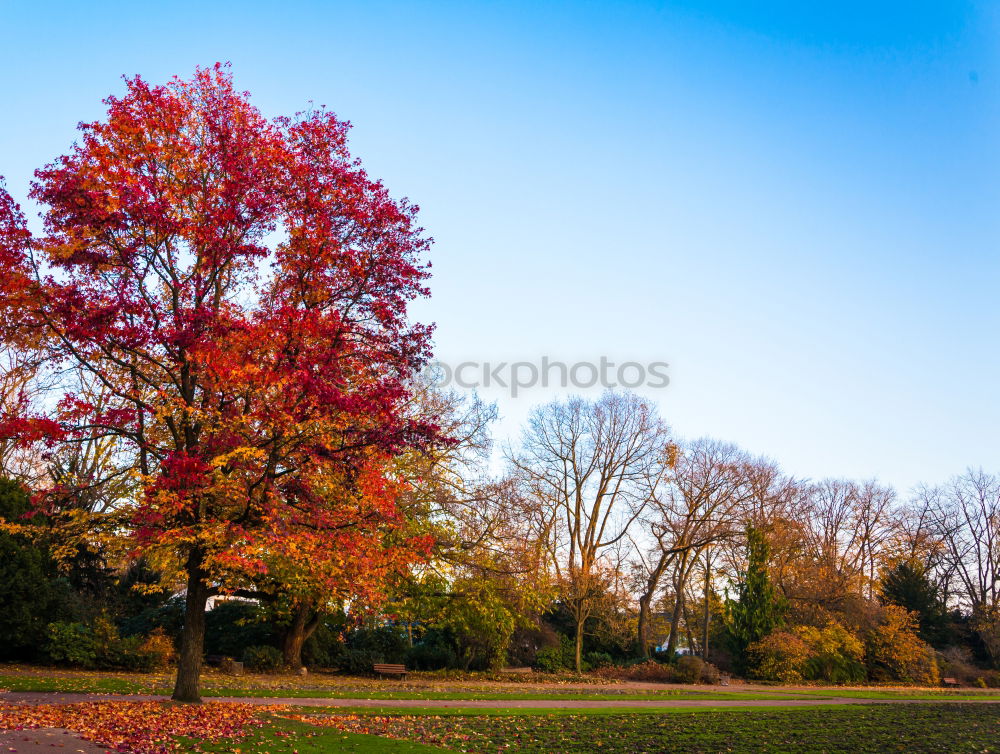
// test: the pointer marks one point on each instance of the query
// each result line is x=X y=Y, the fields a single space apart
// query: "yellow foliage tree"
x=896 y=653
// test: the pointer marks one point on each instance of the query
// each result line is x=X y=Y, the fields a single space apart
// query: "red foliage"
x=240 y=288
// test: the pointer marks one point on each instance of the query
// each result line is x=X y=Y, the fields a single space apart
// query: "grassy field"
x=452 y=696
x=103 y=685
x=652 y=709
x=889 y=694
x=876 y=728
x=430 y=687
x=919 y=727
x=289 y=736
x=88 y=684
x=29 y=678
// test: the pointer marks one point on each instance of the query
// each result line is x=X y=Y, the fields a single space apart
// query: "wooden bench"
x=950 y=681
x=387 y=669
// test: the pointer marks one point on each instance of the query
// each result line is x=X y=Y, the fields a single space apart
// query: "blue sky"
x=796 y=205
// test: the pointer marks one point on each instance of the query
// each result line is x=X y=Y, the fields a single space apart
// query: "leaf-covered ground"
x=139 y=727
x=165 y=728
x=875 y=728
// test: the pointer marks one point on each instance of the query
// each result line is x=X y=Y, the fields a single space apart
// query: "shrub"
x=549 y=660
x=263 y=659
x=108 y=646
x=31 y=593
x=527 y=641
x=835 y=654
x=693 y=669
x=992 y=678
x=158 y=648
x=689 y=669
x=169 y=617
x=956 y=662
x=896 y=653
x=387 y=643
x=127 y=654
x=71 y=643
x=779 y=656
x=359 y=661
x=709 y=674
x=100 y=646
x=649 y=671
x=598 y=659
x=652 y=671
x=431 y=656
x=115 y=653
x=233 y=626
x=325 y=648
x=567 y=647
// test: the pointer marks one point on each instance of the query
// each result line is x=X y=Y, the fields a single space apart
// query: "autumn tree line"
x=215 y=439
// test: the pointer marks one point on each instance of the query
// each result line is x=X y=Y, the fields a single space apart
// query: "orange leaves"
x=257 y=389
x=139 y=727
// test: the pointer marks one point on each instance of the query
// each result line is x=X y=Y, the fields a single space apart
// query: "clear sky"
x=795 y=204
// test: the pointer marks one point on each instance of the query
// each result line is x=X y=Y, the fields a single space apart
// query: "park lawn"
x=316 y=713
x=425 y=686
x=916 y=694
x=213 y=679
x=99 y=683
x=33 y=678
x=452 y=696
x=871 y=728
x=90 y=684
x=301 y=738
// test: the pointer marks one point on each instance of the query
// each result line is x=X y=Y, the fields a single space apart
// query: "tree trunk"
x=187 y=688
x=579 y=644
x=692 y=643
x=646 y=600
x=643 y=628
x=675 y=619
x=301 y=628
x=708 y=595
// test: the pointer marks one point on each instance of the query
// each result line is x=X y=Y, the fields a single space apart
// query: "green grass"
x=94 y=685
x=451 y=696
x=533 y=711
x=290 y=736
x=873 y=728
x=105 y=685
x=928 y=695
x=109 y=684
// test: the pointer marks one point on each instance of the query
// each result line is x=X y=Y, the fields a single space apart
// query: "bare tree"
x=450 y=483
x=592 y=466
x=917 y=536
x=771 y=501
x=874 y=506
x=845 y=526
x=694 y=510
x=970 y=521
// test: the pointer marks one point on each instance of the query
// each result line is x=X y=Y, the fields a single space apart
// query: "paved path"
x=47 y=741
x=30 y=697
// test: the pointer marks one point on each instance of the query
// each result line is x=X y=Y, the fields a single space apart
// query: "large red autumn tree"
x=238 y=287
